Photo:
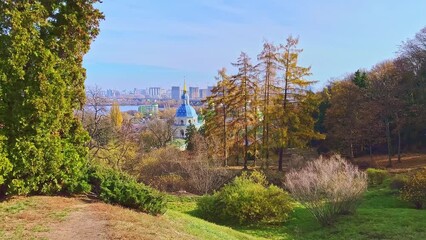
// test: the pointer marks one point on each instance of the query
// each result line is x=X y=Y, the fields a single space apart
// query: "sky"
x=159 y=43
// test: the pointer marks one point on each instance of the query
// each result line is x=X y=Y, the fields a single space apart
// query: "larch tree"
x=216 y=121
x=245 y=81
x=42 y=84
x=268 y=68
x=294 y=87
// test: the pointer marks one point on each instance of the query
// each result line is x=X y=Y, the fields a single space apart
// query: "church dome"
x=186 y=111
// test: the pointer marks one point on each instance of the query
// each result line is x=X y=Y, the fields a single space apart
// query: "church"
x=185 y=116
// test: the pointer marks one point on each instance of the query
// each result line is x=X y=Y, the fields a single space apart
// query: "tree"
x=386 y=93
x=245 y=81
x=360 y=79
x=116 y=116
x=189 y=137
x=268 y=63
x=42 y=84
x=343 y=117
x=294 y=88
x=158 y=133
x=217 y=114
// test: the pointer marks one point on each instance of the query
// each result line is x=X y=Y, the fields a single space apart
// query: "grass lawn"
x=381 y=216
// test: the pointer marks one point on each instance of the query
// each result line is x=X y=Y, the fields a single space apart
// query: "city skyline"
x=164 y=42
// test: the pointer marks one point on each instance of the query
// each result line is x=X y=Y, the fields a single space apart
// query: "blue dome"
x=186 y=111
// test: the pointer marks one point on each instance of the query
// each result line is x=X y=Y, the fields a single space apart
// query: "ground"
x=43 y=217
x=381 y=215
x=408 y=161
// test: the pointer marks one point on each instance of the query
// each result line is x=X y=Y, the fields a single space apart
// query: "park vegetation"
x=247 y=160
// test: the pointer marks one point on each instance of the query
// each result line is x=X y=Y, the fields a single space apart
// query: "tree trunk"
x=399 y=145
x=225 y=151
x=388 y=139
x=280 y=159
x=371 y=153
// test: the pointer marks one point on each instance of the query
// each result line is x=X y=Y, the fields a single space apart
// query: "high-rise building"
x=203 y=93
x=194 y=93
x=209 y=90
x=175 y=93
x=154 y=92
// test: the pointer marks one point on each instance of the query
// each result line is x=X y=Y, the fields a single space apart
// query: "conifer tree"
x=42 y=84
x=294 y=90
x=240 y=100
x=268 y=65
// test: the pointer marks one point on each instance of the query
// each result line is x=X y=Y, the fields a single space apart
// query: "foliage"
x=247 y=199
x=415 y=189
x=169 y=183
x=42 y=84
x=116 y=115
x=5 y=166
x=113 y=186
x=328 y=187
x=398 y=182
x=189 y=135
x=376 y=176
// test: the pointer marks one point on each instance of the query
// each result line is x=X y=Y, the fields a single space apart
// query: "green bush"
x=5 y=167
x=376 y=176
x=398 y=182
x=415 y=189
x=113 y=186
x=247 y=199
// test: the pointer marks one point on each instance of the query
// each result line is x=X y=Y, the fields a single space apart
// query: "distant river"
x=125 y=108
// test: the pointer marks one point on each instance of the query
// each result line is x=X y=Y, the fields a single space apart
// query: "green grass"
x=205 y=230
x=381 y=215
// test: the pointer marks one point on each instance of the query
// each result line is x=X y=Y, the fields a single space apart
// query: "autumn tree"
x=245 y=80
x=42 y=84
x=294 y=87
x=116 y=115
x=385 y=92
x=217 y=114
x=268 y=68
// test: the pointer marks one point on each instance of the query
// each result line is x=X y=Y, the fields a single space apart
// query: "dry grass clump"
x=328 y=187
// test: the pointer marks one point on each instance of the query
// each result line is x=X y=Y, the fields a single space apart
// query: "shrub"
x=415 y=189
x=328 y=187
x=376 y=176
x=247 y=199
x=113 y=186
x=5 y=168
x=168 y=183
x=398 y=182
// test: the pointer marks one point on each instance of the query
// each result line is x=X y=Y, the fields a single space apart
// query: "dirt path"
x=84 y=222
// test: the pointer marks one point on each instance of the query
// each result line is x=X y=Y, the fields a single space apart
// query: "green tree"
x=42 y=84
x=189 y=137
x=360 y=79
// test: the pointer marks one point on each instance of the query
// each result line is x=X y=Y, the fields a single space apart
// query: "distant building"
x=209 y=90
x=175 y=93
x=203 y=93
x=148 y=110
x=194 y=93
x=185 y=116
x=154 y=92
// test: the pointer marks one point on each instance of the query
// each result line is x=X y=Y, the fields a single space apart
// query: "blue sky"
x=147 y=43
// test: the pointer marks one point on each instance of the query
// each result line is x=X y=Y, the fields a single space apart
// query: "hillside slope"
x=43 y=217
